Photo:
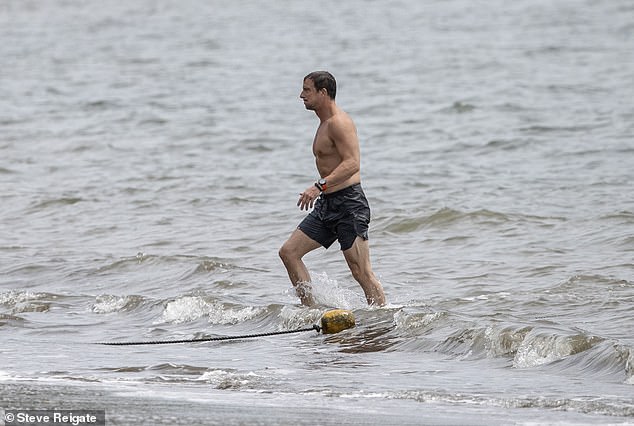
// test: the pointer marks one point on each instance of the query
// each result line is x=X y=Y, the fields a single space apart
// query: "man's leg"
x=291 y=253
x=358 y=258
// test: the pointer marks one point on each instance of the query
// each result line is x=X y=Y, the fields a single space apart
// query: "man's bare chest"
x=323 y=145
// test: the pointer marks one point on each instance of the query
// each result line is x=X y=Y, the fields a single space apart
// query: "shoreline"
x=127 y=404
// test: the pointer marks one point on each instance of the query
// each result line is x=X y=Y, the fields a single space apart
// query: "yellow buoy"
x=336 y=320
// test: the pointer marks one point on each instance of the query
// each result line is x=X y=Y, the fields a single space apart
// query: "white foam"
x=222 y=377
x=191 y=308
x=416 y=321
x=327 y=292
x=294 y=317
x=13 y=297
x=220 y=315
x=629 y=368
x=106 y=303
x=185 y=309
x=535 y=353
x=4 y=376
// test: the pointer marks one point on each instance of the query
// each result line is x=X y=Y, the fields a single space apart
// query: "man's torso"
x=327 y=157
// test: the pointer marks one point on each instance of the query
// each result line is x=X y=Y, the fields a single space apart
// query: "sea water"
x=151 y=157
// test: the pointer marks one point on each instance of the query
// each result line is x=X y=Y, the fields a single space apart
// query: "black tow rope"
x=211 y=339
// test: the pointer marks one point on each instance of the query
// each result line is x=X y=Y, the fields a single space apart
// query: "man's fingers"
x=306 y=201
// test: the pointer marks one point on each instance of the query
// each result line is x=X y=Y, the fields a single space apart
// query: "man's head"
x=323 y=80
x=319 y=89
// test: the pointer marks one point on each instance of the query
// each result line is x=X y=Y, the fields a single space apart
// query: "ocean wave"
x=606 y=360
x=439 y=218
x=226 y=379
x=590 y=405
x=442 y=218
x=202 y=264
x=625 y=217
x=418 y=323
x=458 y=107
x=294 y=317
x=546 y=129
x=543 y=346
x=526 y=346
x=19 y=301
x=54 y=202
x=229 y=380
x=106 y=303
x=191 y=308
x=629 y=364
x=590 y=288
x=10 y=319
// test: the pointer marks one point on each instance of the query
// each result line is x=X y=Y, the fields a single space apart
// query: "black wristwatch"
x=321 y=184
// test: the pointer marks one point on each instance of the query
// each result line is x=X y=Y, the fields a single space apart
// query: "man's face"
x=310 y=95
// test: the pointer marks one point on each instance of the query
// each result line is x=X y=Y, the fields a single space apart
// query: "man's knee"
x=287 y=253
x=284 y=253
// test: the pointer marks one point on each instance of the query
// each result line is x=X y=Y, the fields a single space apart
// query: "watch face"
x=322 y=181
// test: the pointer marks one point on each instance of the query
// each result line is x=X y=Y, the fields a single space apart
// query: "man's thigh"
x=301 y=243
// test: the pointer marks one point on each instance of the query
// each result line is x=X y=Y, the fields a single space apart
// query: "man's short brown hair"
x=324 y=80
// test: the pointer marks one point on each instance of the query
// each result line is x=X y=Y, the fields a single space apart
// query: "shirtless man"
x=341 y=211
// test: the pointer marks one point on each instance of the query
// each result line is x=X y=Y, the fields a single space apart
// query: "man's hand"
x=308 y=197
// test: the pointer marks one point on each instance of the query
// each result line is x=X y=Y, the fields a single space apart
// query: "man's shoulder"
x=341 y=130
x=340 y=121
